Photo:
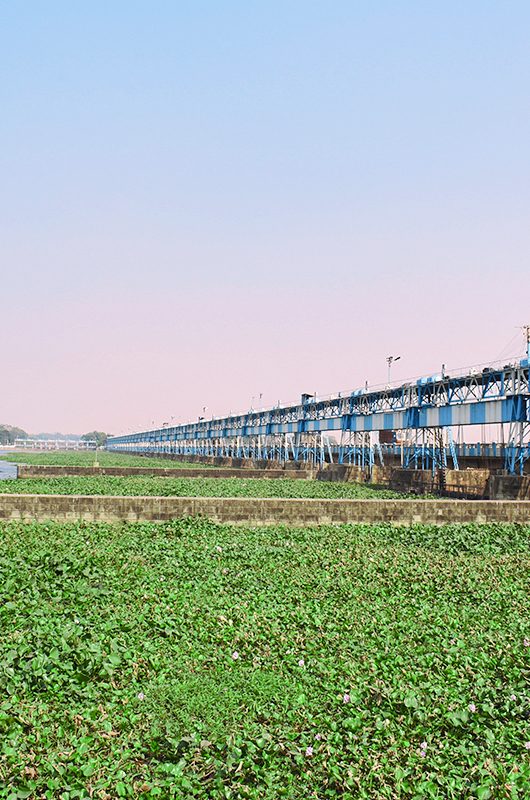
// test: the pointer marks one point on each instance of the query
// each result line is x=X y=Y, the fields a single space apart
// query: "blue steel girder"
x=487 y=396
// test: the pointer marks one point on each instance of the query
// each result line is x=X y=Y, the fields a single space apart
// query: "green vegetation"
x=99 y=437
x=86 y=459
x=190 y=660
x=194 y=487
x=8 y=434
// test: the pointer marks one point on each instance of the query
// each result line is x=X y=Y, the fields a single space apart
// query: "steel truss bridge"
x=343 y=428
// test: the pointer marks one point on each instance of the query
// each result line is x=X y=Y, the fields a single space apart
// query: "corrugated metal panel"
x=494 y=411
x=461 y=415
x=433 y=417
x=478 y=414
x=446 y=415
x=398 y=420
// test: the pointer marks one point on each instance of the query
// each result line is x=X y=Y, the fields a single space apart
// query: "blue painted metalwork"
x=424 y=410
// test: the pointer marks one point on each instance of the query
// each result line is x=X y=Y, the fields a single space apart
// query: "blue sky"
x=234 y=198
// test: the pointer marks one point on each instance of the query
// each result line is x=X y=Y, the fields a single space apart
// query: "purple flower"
x=318 y=736
x=140 y=696
x=309 y=751
x=527 y=745
x=526 y=642
x=423 y=745
x=301 y=663
x=513 y=697
x=472 y=707
x=235 y=655
x=346 y=698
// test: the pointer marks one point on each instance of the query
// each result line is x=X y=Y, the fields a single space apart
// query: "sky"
x=202 y=202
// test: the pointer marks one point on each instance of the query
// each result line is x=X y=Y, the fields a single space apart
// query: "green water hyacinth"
x=81 y=458
x=119 y=675
x=194 y=487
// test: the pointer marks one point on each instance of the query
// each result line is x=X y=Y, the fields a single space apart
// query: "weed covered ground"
x=104 y=459
x=194 y=487
x=192 y=660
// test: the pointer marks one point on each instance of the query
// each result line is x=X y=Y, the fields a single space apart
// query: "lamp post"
x=390 y=360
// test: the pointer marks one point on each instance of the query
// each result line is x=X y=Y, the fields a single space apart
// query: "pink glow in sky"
x=200 y=205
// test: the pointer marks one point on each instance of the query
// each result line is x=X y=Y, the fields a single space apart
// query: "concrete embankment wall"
x=342 y=473
x=467 y=463
x=494 y=464
x=473 y=482
x=252 y=511
x=509 y=487
x=49 y=471
x=465 y=483
x=479 y=483
x=222 y=461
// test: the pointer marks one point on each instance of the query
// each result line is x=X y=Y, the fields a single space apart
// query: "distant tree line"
x=96 y=436
x=8 y=434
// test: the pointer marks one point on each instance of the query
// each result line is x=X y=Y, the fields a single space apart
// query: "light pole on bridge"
x=390 y=360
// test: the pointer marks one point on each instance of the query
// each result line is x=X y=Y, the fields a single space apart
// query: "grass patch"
x=192 y=660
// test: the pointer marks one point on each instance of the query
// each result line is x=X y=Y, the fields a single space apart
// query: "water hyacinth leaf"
x=412 y=625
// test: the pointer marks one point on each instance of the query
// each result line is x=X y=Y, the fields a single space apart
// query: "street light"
x=390 y=360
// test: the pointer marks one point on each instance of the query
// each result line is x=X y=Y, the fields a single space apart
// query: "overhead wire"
x=507 y=346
